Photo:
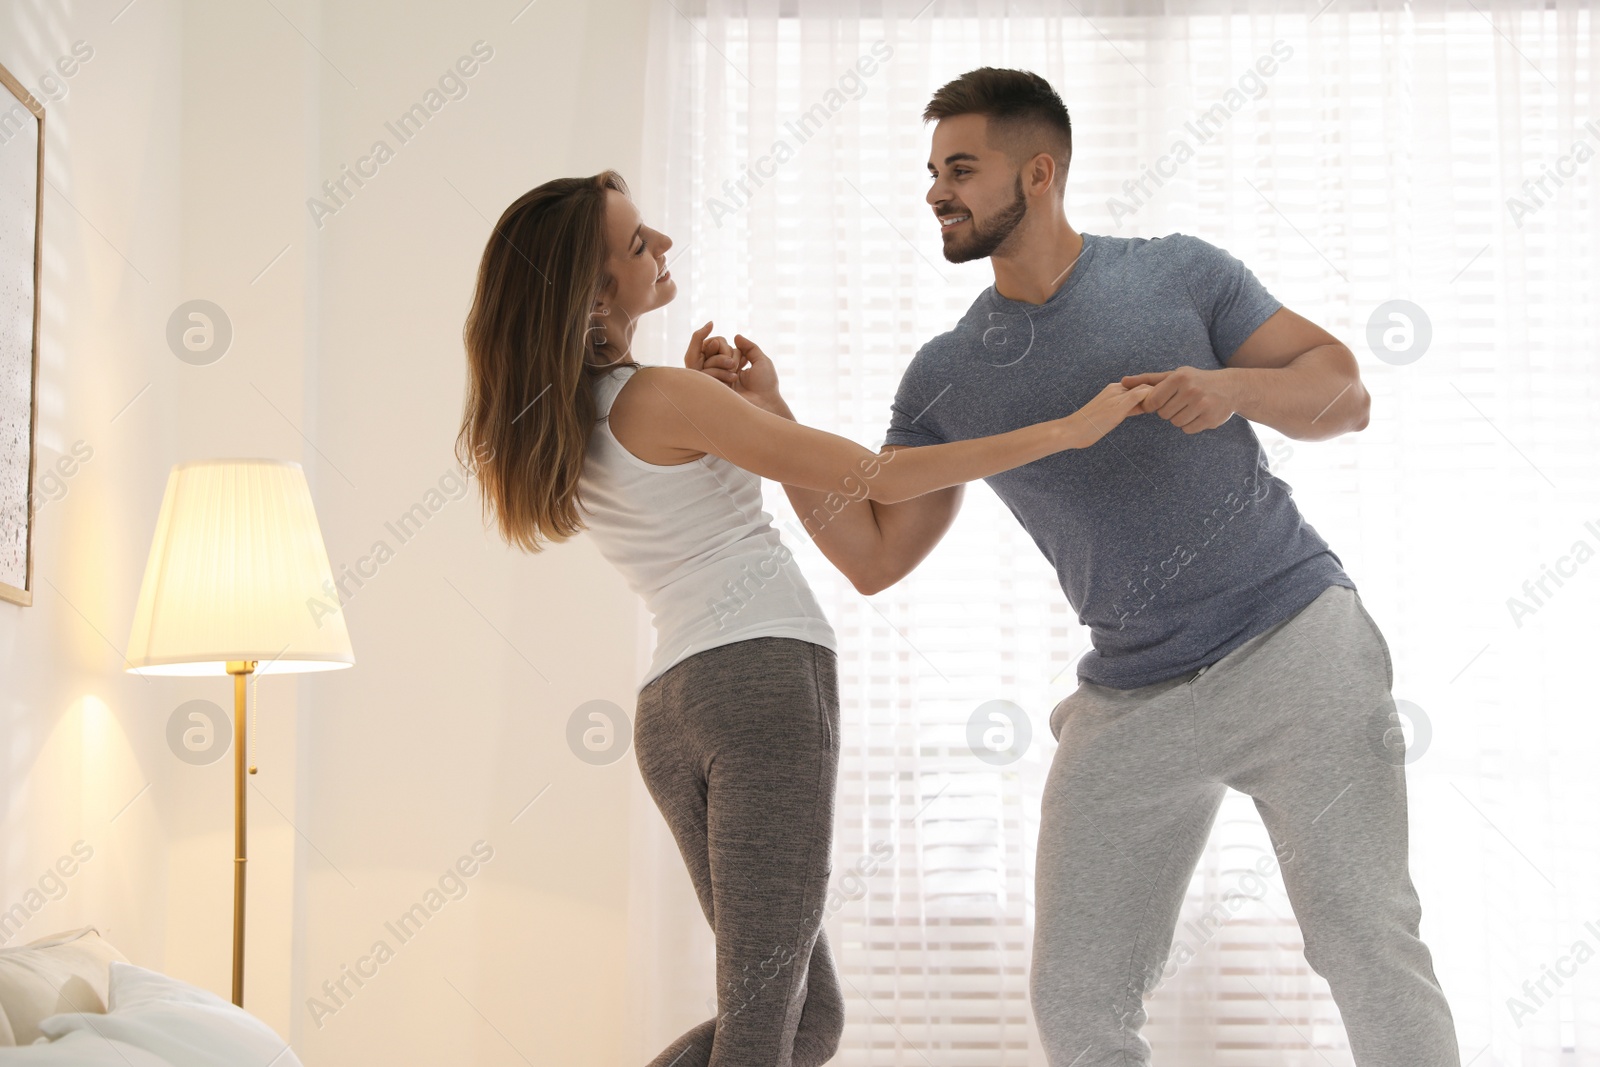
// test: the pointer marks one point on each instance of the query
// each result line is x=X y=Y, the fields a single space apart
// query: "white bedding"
x=81 y=1048
x=154 y=1020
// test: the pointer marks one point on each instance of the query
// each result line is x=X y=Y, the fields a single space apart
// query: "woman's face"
x=637 y=262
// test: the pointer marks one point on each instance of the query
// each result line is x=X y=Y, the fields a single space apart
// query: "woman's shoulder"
x=662 y=386
x=651 y=408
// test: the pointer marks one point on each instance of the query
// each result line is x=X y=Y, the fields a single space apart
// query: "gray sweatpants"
x=739 y=747
x=1295 y=717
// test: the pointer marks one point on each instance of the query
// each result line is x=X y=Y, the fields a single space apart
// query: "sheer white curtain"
x=1353 y=154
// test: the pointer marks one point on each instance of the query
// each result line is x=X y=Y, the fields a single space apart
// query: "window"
x=1383 y=158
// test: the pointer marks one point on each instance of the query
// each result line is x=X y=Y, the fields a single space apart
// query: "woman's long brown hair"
x=532 y=356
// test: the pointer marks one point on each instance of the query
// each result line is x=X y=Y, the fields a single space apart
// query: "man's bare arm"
x=873 y=544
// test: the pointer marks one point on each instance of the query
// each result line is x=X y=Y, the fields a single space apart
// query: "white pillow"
x=182 y=1024
x=62 y=972
x=81 y=1048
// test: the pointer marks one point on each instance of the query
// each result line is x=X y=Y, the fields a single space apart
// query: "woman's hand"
x=694 y=357
x=1102 y=414
x=713 y=356
x=741 y=366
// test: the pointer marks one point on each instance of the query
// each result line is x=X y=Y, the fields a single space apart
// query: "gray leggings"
x=739 y=747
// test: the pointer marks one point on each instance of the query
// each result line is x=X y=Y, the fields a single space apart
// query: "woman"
x=736 y=728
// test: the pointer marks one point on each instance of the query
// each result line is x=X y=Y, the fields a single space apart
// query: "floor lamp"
x=237 y=582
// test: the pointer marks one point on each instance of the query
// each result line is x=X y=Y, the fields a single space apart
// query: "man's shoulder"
x=968 y=330
x=1152 y=250
x=1170 y=263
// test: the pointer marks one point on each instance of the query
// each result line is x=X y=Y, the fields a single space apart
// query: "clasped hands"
x=1191 y=398
x=742 y=366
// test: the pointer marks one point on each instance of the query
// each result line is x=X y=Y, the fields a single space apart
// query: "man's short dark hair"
x=1025 y=114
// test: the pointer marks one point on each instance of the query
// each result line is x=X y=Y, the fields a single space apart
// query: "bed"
x=72 y=998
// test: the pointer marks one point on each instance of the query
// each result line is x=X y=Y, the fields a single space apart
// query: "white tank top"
x=693 y=541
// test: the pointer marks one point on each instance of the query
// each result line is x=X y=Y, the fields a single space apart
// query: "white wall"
x=83 y=754
x=472 y=655
x=190 y=143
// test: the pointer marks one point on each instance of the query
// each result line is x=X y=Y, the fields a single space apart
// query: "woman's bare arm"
x=874 y=544
x=688 y=414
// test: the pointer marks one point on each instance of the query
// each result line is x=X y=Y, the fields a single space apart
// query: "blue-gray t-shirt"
x=1173 y=548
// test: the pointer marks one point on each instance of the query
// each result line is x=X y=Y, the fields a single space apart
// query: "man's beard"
x=982 y=241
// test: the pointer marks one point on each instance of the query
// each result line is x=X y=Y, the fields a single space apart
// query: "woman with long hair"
x=737 y=723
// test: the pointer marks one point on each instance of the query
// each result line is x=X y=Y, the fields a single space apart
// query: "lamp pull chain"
x=255 y=705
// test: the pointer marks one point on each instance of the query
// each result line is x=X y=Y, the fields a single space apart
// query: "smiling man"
x=1230 y=646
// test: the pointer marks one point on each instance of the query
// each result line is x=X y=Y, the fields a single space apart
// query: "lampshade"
x=237 y=571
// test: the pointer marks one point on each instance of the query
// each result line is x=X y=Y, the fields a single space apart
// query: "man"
x=1230 y=647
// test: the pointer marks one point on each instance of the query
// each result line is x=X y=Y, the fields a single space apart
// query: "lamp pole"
x=240 y=669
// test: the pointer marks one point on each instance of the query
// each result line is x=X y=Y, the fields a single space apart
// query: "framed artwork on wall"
x=21 y=219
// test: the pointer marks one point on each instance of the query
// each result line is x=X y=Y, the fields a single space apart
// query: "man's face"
x=977 y=190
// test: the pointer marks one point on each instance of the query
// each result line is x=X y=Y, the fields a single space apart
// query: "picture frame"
x=21 y=242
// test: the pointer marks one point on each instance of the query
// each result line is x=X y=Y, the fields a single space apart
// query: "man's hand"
x=1188 y=397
